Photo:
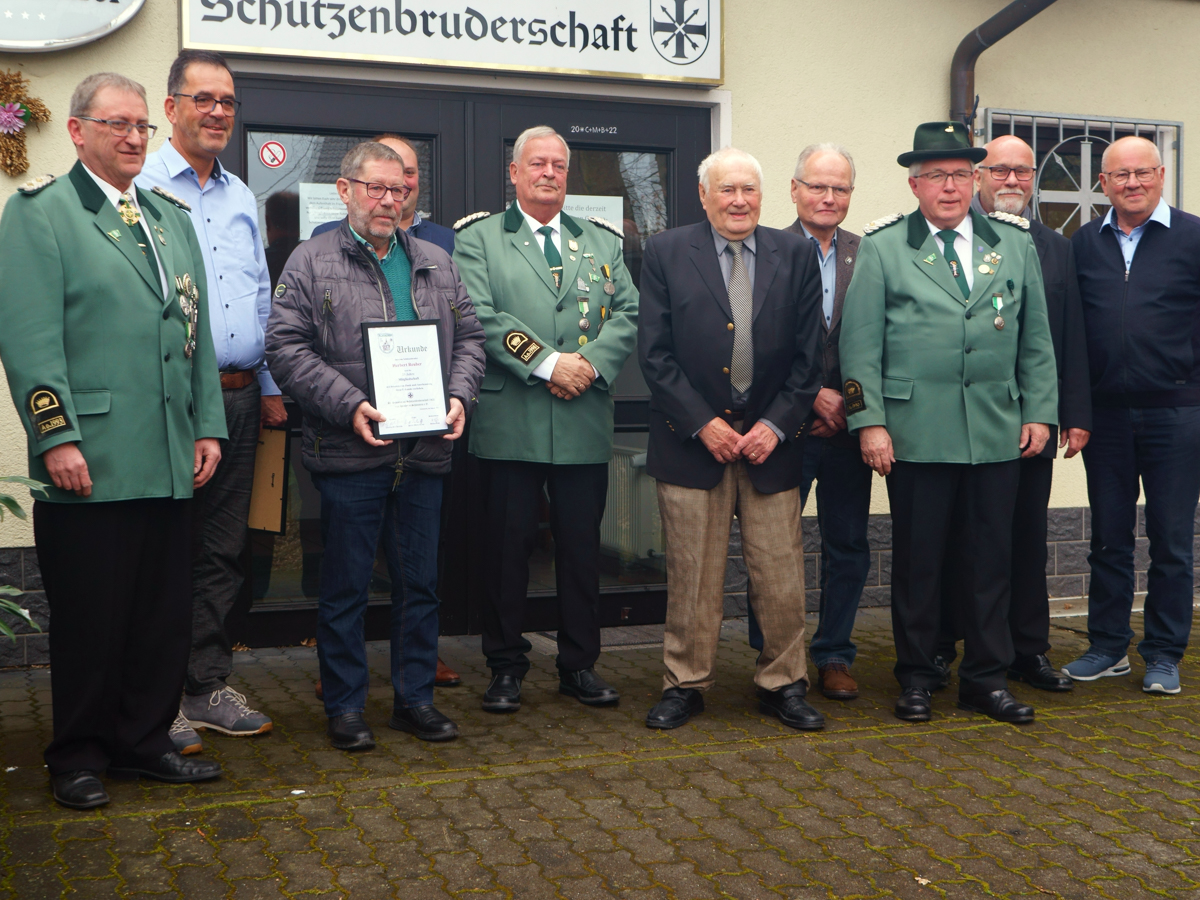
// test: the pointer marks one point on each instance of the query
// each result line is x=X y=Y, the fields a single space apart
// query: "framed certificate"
x=405 y=380
x=269 y=495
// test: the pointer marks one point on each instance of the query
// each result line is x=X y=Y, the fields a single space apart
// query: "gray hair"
x=726 y=154
x=358 y=155
x=813 y=149
x=538 y=131
x=1128 y=137
x=85 y=93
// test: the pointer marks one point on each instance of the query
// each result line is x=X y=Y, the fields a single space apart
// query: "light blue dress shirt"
x=1129 y=242
x=225 y=216
x=828 y=273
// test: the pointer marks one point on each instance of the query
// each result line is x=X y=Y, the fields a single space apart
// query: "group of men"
x=146 y=343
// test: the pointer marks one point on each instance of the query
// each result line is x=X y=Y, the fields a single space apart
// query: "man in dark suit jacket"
x=821 y=190
x=1004 y=182
x=729 y=343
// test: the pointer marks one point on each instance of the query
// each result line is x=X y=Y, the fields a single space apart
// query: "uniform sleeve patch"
x=46 y=412
x=852 y=393
x=521 y=345
x=280 y=289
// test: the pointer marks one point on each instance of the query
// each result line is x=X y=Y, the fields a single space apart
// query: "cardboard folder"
x=268 y=497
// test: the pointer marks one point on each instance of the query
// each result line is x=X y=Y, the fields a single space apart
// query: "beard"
x=1009 y=202
x=370 y=225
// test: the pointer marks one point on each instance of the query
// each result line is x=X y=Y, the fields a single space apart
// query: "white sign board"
x=36 y=26
x=658 y=40
x=319 y=203
x=610 y=208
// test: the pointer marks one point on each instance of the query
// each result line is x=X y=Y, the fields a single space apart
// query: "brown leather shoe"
x=446 y=676
x=318 y=691
x=835 y=682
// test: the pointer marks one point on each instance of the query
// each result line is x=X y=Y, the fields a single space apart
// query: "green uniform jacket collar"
x=918 y=230
x=513 y=220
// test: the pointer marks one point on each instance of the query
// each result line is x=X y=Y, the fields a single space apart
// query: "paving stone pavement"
x=1097 y=799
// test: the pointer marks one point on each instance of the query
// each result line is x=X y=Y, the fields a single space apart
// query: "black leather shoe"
x=79 y=790
x=675 y=708
x=942 y=664
x=588 y=687
x=425 y=722
x=999 y=705
x=173 y=768
x=790 y=707
x=349 y=732
x=1037 y=671
x=914 y=705
x=503 y=695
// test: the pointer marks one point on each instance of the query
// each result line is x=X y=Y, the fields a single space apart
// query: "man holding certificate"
x=560 y=312
x=373 y=335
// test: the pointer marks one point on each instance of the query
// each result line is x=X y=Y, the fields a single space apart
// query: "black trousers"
x=118 y=581
x=964 y=511
x=1029 y=605
x=513 y=498
x=220 y=517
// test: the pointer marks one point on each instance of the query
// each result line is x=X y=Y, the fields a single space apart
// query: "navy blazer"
x=685 y=344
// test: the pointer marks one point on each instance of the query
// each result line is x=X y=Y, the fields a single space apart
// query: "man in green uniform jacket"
x=560 y=314
x=950 y=380
x=110 y=362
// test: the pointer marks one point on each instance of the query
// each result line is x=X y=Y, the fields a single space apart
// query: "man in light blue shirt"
x=200 y=105
x=1129 y=242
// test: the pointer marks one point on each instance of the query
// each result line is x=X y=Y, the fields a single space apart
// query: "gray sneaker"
x=184 y=736
x=225 y=710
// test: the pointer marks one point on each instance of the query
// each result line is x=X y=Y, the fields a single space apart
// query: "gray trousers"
x=221 y=510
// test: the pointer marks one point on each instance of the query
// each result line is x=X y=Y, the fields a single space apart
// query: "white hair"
x=727 y=154
x=1129 y=137
x=538 y=131
x=914 y=170
x=813 y=149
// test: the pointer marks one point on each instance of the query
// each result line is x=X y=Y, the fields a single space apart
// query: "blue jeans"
x=1162 y=447
x=356 y=511
x=843 y=505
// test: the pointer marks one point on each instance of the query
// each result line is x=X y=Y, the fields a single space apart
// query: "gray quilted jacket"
x=329 y=287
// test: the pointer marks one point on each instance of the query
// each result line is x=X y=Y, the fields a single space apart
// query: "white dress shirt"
x=962 y=245
x=114 y=197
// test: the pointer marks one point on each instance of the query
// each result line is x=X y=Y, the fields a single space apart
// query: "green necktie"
x=552 y=255
x=131 y=217
x=956 y=268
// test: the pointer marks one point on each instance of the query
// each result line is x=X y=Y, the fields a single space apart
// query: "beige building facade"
x=862 y=73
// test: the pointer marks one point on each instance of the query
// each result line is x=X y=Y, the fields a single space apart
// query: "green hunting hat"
x=942 y=140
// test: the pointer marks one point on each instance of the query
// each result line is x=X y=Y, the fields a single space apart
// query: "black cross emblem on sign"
x=678 y=28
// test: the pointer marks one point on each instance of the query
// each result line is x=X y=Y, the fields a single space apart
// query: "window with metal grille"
x=1068 y=150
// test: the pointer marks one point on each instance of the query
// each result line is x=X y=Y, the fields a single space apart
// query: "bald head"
x=1004 y=179
x=1146 y=152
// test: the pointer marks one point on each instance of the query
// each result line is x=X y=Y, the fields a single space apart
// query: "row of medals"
x=985 y=269
x=189 y=294
x=608 y=286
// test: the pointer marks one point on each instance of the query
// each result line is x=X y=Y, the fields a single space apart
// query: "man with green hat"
x=950 y=380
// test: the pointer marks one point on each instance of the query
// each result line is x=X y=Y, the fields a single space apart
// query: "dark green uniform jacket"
x=93 y=351
x=932 y=367
x=526 y=318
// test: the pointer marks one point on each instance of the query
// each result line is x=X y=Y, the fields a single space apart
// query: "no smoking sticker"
x=272 y=154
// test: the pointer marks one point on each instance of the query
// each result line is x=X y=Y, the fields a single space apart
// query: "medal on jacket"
x=609 y=287
x=556 y=271
x=189 y=302
x=998 y=304
x=584 y=324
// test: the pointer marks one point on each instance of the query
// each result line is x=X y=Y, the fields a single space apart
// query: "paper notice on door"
x=581 y=206
x=319 y=203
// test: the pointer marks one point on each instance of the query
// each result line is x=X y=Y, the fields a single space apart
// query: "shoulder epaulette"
x=167 y=195
x=1010 y=219
x=466 y=221
x=33 y=185
x=607 y=225
x=881 y=223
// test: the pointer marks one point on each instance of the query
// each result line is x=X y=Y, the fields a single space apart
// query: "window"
x=1068 y=150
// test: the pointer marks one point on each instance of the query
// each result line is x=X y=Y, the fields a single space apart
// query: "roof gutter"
x=962 y=69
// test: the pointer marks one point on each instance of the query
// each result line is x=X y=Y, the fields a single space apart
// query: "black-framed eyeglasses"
x=1000 y=173
x=961 y=177
x=819 y=190
x=121 y=128
x=1145 y=176
x=206 y=104
x=376 y=191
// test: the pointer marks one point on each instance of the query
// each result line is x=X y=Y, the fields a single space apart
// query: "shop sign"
x=658 y=40
x=37 y=26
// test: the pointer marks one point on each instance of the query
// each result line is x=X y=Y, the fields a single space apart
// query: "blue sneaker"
x=1162 y=677
x=1096 y=664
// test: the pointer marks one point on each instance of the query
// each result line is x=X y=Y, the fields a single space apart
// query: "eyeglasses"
x=961 y=177
x=121 y=128
x=1145 y=176
x=206 y=104
x=376 y=191
x=1001 y=173
x=819 y=190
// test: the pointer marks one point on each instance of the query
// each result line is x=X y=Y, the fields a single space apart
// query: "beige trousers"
x=697 y=526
